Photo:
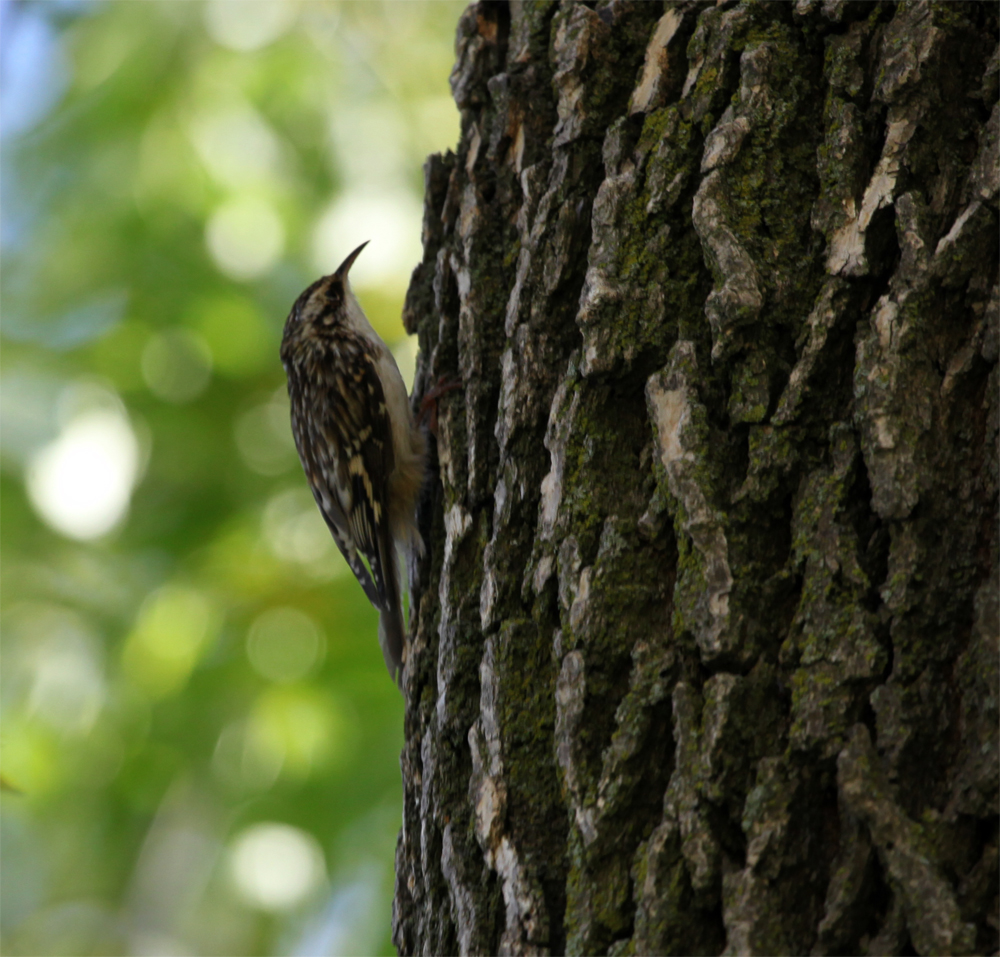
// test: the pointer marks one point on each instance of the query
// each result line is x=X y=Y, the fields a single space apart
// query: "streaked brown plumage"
x=361 y=452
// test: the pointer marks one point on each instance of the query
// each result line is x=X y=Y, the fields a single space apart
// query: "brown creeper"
x=362 y=453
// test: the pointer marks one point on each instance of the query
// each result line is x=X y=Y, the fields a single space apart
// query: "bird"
x=364 y=456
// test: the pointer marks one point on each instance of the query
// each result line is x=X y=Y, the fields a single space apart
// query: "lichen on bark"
x=704 y=653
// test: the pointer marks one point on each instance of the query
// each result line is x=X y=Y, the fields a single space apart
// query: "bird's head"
x=325 y=302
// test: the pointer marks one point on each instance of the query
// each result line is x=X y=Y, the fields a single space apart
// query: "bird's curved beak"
x=345 y=266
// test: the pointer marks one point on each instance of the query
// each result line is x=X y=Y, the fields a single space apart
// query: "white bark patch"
x=462 y=902
x=884 y=434
x=569 y=571
x=457 y=522
x=561 y=418
x=957 y=228
x=468 y=214
x=671 y=399
x=984 y=177
x=724 y=142
x=754 y=104
x=562 y=414
x=543 y=572
x=571 y=690
x=470 y=160
x=716 y=715
x=656 y=63
x=488 y=805
x=846 y=256
x=487 y=593
x=446 y=458
x=517 y=148
x=601 y=287
x=551 y=494
x=526 y=915
x=571 y=50
x=961 y=363
x=514 y=300
x=487 y=784
x=671 y=410
x=737 y=298
x=910 y=40
x=489 y=589
x=578 y=610
x=586 y=823
x=463 y=280
x=893 y=428
x=508 y=411
x=571 y=687
x=885 y=318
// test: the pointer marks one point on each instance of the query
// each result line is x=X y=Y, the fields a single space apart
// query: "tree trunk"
x=705 y=650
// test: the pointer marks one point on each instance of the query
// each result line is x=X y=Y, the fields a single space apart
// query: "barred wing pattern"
x=344 y=439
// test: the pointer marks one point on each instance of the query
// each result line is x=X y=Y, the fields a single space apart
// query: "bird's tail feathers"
x=391 y=627
x=391 y=636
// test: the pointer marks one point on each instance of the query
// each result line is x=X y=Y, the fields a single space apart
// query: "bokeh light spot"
x=176 y=365
x=276 y=866
x=169 y=176
x=32 y=760
x=248 y=24
x=245 y=237
x=302 y=727
x=81 y=482
x=391 y=221
x=264 y=436
x=236 y=145
x=171 y=633
x=67 y=684
x=158 y=945
x=240 y=763
x=284 y=643
x=295 y=532
x=236 y=333
x=370 y=143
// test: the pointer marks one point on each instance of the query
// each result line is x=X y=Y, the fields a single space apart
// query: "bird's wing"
x=349 y=459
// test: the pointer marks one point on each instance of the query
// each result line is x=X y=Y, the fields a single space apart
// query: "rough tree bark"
x=706 y=637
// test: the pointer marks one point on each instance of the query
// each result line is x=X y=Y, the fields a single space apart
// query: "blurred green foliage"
x=199 y=739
